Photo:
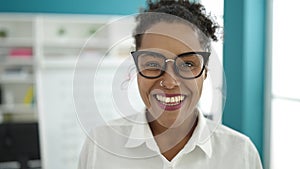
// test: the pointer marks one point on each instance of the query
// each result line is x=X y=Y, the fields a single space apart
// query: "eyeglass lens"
x=154 y=64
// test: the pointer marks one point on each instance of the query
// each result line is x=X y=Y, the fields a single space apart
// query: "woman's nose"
x=170 y=79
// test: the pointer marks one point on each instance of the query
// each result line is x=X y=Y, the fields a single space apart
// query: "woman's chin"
x=167 y=115
x=165 y=118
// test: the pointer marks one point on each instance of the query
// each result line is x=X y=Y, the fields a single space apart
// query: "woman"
x=172 y=49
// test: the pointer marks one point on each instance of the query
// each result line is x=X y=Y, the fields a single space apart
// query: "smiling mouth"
x=170 y=100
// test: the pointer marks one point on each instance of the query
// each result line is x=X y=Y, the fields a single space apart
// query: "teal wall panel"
x=244 y=64
x=233 y=57
x=118 y=7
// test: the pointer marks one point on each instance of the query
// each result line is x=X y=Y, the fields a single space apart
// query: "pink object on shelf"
x=21 y=52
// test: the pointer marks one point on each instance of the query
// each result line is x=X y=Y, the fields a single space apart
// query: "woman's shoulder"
x=225 y=133
x=230 y=145
x=120 y=125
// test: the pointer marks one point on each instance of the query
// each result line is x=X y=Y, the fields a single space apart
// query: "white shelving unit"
x=17 y=71
x=70 y=45
x=63 y=47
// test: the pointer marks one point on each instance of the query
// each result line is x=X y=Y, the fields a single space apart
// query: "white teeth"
x=173 y=99
x=170 y=100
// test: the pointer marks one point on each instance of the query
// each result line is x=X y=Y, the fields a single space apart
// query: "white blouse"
x=129 y=143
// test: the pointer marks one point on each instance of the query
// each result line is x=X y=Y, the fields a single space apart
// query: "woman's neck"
x=171 y=140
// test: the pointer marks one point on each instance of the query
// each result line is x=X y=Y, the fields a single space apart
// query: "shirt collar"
x=141 y=133
x=201 y=137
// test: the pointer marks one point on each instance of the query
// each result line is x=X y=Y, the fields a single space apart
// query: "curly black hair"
x=193 y=13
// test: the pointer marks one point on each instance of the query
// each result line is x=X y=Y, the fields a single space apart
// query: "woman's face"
x=169 y=98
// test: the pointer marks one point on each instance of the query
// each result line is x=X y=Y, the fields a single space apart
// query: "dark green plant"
x=92 y=31
x=61 y=31
x=3 y=33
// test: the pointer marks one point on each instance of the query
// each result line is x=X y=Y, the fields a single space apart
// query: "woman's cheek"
x=144 y=90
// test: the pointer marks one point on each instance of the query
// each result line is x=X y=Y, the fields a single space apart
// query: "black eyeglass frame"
x=137 y=53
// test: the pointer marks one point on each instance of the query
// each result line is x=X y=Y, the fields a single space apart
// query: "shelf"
x=76 y=43
x=17 y=108
x=17 y=17
x=86 y=63
x=19 y=61
x=16 y=79
x=16 y=42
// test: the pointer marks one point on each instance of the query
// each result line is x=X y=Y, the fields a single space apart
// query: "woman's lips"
x=170 y=102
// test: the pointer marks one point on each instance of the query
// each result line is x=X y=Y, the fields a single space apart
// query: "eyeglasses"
x=187 y=65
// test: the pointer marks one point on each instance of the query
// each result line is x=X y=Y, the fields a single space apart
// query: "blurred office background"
x=63 y=63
